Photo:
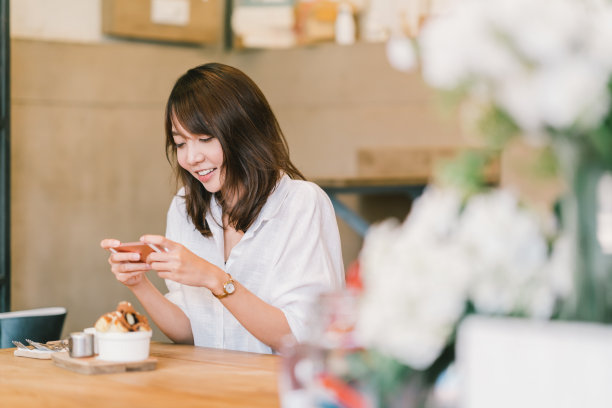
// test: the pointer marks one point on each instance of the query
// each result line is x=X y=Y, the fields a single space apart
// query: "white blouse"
x=289 y=255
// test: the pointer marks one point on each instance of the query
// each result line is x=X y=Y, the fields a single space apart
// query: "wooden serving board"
x=92 y=365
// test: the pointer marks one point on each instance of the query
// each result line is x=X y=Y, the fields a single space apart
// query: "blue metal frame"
x=354 y=220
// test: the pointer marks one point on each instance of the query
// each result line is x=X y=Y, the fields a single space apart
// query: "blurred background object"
x=41 y=325
x=5 y=159
x=530 y=364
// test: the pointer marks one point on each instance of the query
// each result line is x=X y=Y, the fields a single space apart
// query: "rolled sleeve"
x=311 y=261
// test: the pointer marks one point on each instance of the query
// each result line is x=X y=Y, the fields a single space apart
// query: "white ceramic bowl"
x=123 y=347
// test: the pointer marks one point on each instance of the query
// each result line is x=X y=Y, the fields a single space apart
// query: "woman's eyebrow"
x=179 y=134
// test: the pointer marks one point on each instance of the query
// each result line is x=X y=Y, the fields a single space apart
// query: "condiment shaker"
x=81 y=344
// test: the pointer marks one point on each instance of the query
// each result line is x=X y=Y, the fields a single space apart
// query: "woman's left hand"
x=179 y=264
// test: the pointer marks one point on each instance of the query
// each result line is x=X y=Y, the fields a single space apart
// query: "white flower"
x=401 y=53
x=599 y=36
x=418 y=276
x=447 y=43
x=435 y=214
x=546 y=63
x=573 y=93
x=415 y=282
x=508 y=252
x=560 y=267
x=541 y=32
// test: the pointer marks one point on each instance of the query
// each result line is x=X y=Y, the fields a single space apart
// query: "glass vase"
x=586 y=213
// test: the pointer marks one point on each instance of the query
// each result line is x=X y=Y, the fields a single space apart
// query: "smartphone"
x=140 y=247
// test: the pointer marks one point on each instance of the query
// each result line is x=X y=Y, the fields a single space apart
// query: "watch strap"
x=229 y=283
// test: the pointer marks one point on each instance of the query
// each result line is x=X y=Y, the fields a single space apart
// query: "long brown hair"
x=221 y=101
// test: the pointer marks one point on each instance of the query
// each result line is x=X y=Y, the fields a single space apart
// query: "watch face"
x=229 y=287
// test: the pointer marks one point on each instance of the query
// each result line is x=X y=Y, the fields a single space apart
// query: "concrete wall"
x=87 y=147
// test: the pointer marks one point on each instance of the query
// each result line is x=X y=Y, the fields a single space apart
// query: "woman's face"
x=200 y=155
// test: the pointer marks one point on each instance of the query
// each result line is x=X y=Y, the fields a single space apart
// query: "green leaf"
x=465 y=172
x=497 y=127
x=547 y=164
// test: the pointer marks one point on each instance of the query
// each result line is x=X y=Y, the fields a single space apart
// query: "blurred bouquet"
x=451 y=258
x=540 y=71
x=422 y=277
x=545 y=66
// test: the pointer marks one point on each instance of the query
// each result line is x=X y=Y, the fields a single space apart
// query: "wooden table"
x=186 y=376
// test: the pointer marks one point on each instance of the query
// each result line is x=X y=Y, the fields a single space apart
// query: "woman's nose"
x=194 y=156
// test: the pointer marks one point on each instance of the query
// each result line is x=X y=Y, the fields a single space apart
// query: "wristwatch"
x=228 y=288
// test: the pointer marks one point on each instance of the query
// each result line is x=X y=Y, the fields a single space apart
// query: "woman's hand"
x=179 y=264
x=125 y=265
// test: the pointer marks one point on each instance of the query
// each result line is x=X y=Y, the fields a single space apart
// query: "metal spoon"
x=20 y=345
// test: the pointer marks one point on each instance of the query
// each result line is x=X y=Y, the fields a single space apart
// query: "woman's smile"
x=205 y=175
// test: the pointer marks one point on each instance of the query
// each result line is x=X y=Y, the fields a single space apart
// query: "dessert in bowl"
x=123 y=335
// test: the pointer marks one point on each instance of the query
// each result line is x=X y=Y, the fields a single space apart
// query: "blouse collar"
x=268 y=211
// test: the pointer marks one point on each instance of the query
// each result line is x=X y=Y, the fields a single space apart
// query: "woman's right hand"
x=124 y=265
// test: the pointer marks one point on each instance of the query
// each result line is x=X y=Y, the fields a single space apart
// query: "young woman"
x=249 y=244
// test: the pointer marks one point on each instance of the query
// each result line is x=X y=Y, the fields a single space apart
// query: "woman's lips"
x=206 y=177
